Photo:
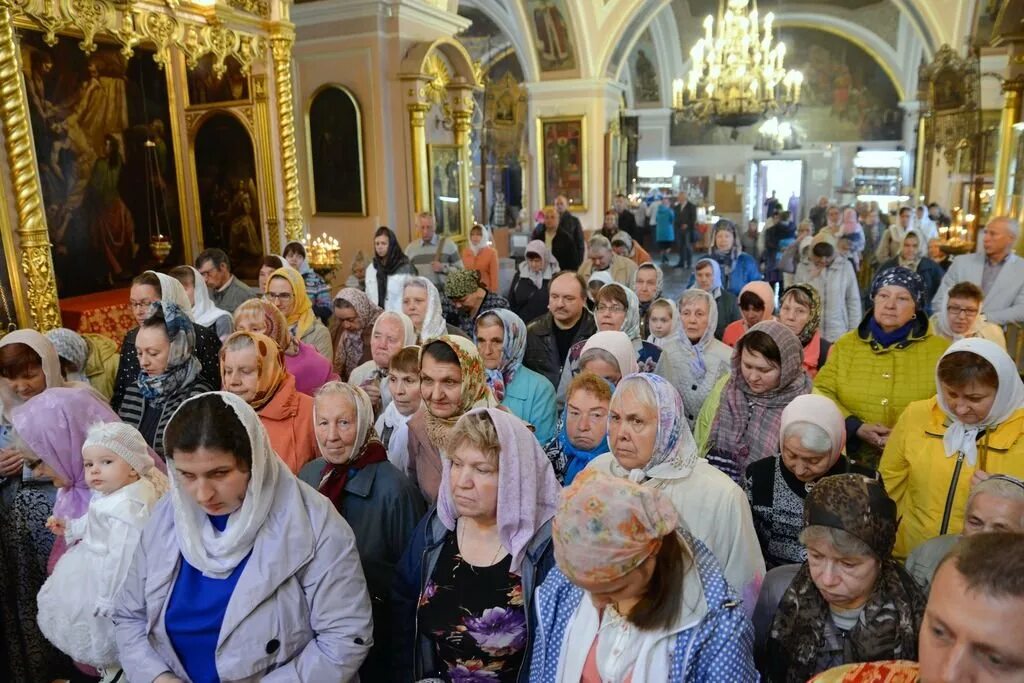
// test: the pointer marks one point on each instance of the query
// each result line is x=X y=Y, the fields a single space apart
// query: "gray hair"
x=1000 y=486
x=599 y=354
x=1012 y=224
x=812 y=437
x=841 y=540
x=599 y=242
x=692 y=295
x=239 y=342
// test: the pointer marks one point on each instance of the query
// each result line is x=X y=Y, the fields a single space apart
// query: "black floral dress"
x=476 y=618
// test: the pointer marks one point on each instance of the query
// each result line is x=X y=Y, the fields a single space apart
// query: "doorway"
x=784 y=178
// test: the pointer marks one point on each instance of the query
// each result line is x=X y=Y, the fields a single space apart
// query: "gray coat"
x=300 y=611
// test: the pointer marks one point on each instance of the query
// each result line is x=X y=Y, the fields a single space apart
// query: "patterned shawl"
x=513 y=351
x=270 y=370
x=807 y=333
x=182 y=365
x=348 y=349
x=475 y=392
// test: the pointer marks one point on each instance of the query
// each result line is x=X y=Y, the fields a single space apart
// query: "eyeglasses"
x=958 y=311
x=139 y=305
x=272 y=296
x=610 y=308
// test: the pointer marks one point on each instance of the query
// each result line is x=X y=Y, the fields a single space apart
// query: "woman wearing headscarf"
x=651 y=445
x=707 y=275
x=875 y=371
x=501 y=340
x=464 y=591
x=850 y=601
x=302 y=361
x=355 y=475
x=800 y=311
x=147 y=292
x=739 y=423
x=315 y=288
x=964 y=317
x=609 y=355
x=252 y=368
x=528 y=295
x=634 y=596
x=623 y=245
x=422 y=303
x=694 y=361
x=583 y=430
x=390 y=267
x=254 y=578
x=479 y=255
x=170 y=374
x=392 y=331
x=287 y=290
x=737 y=268
x=86 y=357
x=648 y=282
x=811 y=440
x=352 y=325
x=453 y=381
x=973 y=427
x=757 y=304
x=204 y=311
x=914 y=257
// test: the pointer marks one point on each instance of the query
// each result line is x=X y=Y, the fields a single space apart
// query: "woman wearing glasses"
x=973 y=427
x=963 y=317
x=287 y=290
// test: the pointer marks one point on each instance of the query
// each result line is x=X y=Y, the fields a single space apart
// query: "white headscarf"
x=408 y=329
x=677 y=323
x=697 y=363
x=485 y=240
x=398 y=443
x=618 y=345
x=51 y=367
x=172 y=292
x=204 y=312
x=962 y=438
x=433 y=320
x=551 y=266
x=364 y=413
x=940 y=319
x=217 y=553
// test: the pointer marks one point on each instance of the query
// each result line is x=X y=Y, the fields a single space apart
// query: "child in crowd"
x=76 y=601
x=663 y=322
x=393 y=423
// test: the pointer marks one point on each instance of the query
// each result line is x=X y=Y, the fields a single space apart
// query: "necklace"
x=461 y=536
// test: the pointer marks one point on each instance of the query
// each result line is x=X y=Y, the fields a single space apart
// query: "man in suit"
x=996 y=269
x=685 y=224
x=627 y=221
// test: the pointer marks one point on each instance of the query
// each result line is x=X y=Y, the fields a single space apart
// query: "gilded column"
x=1012 y=91
x=265 y=161
x=462 y=104
x=281 y=42
x=418 y=138
x=33 y=238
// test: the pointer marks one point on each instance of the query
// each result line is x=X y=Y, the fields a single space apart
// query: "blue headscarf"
x=577 y=458
x=512 y=352
x=716 y=270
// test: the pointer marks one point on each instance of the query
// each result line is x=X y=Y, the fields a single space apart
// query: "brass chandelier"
x=737 y=75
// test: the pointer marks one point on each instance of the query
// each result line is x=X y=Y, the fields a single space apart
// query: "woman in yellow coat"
x=875 y=371
x=974 y=427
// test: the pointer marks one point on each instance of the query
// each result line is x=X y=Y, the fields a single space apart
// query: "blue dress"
x=664 y=218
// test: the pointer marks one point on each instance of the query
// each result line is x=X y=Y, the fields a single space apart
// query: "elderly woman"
x=501 y=340
x=651 y=444
x=875 y=371
x=480 y=256
x=170 y=374
x=737 y=268
x=252 y=368
x=387 y=272
x=850 y=601
x=913 y=256
x=464 y=591
x=757 y=304
x=973 y=427
x=240 y=525
x=707 y=275
x=86 y=357
x=800 y=311
x=352 y=326
x=391 y=332
x=634 y=596
x=739 y=423
x=583 y=430
x=147 y=292
x=355 y=475
x=963 y=317
x=452 y=382
x=315 y=288
x=422 y=303
x=287 y=290
x=647 y=285
x=623 y=245
x=528 y=296
x=303 y=362
x=694 y=361
x=811 y=440
x=609 y=355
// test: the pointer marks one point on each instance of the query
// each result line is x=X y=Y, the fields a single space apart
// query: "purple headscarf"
x=527 y=488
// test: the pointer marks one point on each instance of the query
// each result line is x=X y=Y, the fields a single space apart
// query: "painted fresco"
x=552 y=35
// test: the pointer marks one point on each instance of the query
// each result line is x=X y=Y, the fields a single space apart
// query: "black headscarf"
x=394 y=259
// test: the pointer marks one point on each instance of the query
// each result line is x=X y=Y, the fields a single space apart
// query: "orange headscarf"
x=270 y=370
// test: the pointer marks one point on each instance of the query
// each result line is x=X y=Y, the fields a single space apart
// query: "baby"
x=393 y=423
x=663 y=322
x=76 y=601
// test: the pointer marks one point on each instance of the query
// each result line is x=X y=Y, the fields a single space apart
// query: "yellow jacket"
x=101 y=363
x=919 y=476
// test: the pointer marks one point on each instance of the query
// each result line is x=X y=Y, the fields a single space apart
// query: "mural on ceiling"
x=552 y=36
x=846 y=96
x=646 y=89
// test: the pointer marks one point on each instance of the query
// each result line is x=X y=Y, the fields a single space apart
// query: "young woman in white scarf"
x=204 y=311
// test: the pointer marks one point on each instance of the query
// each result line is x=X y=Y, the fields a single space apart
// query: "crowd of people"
x=807 y=465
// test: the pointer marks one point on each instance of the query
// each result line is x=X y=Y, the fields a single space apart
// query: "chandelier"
x=736 y=75
x=775 y=136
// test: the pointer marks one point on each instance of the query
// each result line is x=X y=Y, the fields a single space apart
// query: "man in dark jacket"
x=627 y=221
x=685 y=224
x=570 y=225
x=549 y=337
x=562 y=245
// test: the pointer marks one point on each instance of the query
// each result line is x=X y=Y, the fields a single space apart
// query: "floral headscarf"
x=475 y=392
x=527 y=488
x=675 y=451
x=551 y=266
x=513 y=351
x=631 y=324
x=301 y=319
x=697 y=363
x=349 y=346
x=814 y=321
x=963 y=438
x=182 y=365
x=433 y=319
x=901 y=277
x=270 y=370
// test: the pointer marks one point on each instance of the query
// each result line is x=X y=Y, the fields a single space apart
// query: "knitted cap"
x=124 y=440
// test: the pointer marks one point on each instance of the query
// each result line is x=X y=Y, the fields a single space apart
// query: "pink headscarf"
x=527 y=488
x=820 y=411
x=765 y=292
